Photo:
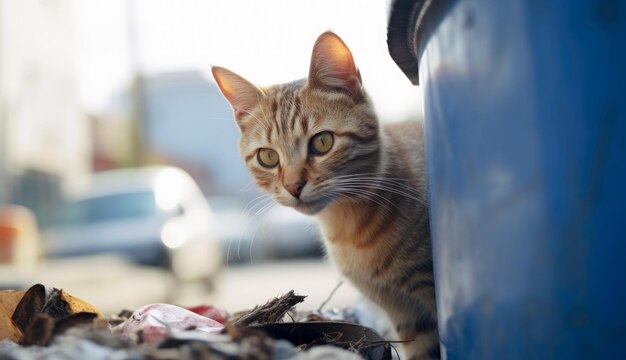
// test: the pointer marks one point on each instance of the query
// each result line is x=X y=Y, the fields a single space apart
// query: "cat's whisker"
x=381 y=180
x=369 y=189
x=253 y=210
x=259 y=199
x=391 y=190
x=376 y=174
x=381 y=201
x=404 y=189
x=369 y=195
x=335 y=189
x=396 y=188
x=260 y=213
x=249 y=113
x=380 y=177
x=230 y=242
x=246 y=187
x=259 y=121
x=217 y=118
x=258 y=132
x=386 y=187
x=263 y=214
x=258 y=202
x=366 y=197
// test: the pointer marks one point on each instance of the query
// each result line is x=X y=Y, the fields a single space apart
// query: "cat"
x=316 y=145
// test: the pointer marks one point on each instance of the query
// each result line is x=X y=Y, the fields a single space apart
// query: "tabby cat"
x=316 y=145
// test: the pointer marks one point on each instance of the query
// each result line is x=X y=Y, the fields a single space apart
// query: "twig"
x=272 y=311
x=330 y=296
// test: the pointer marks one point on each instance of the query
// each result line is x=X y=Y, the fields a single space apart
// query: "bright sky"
x=264 y=41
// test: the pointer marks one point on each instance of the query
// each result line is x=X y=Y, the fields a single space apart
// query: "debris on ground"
x=45 y=322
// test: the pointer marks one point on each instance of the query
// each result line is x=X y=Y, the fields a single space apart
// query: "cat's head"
x=300 y=140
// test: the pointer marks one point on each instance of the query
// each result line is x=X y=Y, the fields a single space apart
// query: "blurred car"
x=249 y=233
x=153 y=216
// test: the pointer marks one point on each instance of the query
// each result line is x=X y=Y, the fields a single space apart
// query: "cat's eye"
x=267 y=157
x=321 y=143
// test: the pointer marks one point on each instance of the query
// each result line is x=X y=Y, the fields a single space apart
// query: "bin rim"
x=407 y=29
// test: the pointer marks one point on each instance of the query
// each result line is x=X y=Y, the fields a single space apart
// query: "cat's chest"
x=354 y=262
x=355 y=248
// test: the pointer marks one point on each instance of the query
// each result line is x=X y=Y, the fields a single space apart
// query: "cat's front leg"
x=420 y=345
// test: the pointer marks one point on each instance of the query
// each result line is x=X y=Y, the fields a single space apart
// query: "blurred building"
x=44 y=139
x=188 y=123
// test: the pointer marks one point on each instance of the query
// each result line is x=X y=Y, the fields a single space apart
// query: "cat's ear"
x=332 y=65
x=242 y=95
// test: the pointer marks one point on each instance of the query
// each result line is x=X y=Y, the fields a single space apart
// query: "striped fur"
x=368 y=192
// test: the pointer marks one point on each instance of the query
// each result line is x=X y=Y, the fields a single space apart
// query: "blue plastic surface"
x=525 y=110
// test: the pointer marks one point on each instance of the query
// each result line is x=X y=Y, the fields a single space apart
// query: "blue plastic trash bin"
x=525 y=115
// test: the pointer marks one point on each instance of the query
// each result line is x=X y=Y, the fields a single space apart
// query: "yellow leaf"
x=77 y=305
x=8 y=302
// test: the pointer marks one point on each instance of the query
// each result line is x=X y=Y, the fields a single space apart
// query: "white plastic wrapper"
x=157 y=321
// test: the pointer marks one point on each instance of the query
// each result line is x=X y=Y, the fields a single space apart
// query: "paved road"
x=109 y=283
x=244 y=286
x=112 y=284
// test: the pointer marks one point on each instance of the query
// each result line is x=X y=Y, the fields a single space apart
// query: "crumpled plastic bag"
x=155 y=322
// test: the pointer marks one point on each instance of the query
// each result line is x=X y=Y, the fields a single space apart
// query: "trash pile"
x=45 y=322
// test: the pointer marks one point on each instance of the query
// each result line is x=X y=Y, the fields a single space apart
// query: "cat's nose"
x=295 y=188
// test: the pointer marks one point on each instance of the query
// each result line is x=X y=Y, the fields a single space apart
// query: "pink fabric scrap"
x=209 y=311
